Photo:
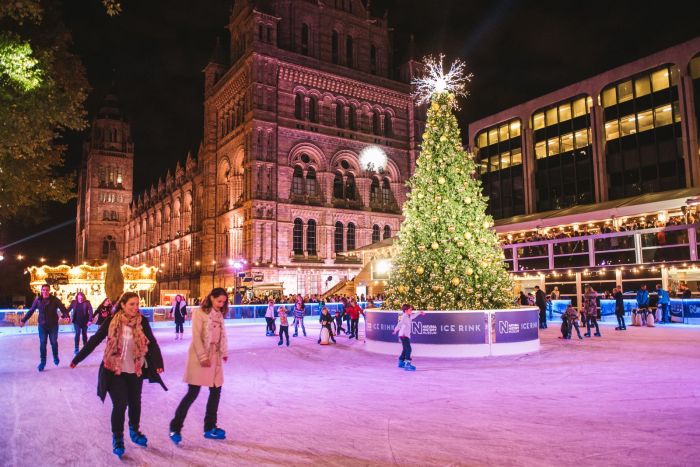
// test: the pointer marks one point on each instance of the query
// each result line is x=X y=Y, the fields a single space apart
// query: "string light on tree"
x=448 y=257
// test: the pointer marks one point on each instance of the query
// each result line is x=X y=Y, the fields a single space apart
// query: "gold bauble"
x=460 y=244
x=436 y=288
x=443 y=138
x=420 y=270
x=486 y=224
x=418 y=290
x=468 y=200
x=455 y=281
x=467 y=235
x=433 y=219
x=451 y=228
x=441 y=180
x=434 y=106
x=435 y=246
x=469 y=271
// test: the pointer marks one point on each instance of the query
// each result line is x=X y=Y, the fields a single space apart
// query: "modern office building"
x=598 y=182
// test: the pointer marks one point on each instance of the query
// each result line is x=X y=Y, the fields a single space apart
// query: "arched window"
x=374 y=192
x=313 y=109
x=351 y=236
x=304 y=39
x=298 y=181
x=388 y=128
x=340 y=115
x=298 y=237
x=375 y=123
x=350 y=187
x=376 y=234
x=387 y=232
x=338 y=186
x=108 y=244
x=338 y=238
x=349 y=53
x=299 y=107
x=386 y=191
x=352 y=118
x=373 y=59
x=334 y=48
x=311 y=182
x=311 y=238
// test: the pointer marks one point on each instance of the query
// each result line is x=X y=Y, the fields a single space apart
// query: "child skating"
x=284 y=324
x=403 y=328
x=325 y=320
x=270 y=318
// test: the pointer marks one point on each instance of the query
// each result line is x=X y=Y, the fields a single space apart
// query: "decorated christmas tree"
x=449 y=257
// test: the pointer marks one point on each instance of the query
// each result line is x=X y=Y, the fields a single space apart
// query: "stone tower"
x=105 y=184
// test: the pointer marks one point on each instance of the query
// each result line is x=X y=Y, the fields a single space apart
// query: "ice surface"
x=624 y=399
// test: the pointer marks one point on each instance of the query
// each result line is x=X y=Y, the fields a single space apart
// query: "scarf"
x=115 y=342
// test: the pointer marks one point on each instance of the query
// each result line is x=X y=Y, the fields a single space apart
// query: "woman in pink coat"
x=208 y=351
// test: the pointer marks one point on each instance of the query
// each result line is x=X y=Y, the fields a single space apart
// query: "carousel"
x=66 y=281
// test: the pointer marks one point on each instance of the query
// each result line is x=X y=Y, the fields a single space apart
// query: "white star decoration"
x=435 y=80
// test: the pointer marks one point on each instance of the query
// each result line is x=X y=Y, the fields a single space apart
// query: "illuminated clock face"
x=373 y=158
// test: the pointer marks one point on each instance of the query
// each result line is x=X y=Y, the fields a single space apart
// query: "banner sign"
x=516 y=326
x=607 y=306
x=431 y=328
x=685 y=307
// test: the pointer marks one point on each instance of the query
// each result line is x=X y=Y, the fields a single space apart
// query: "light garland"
x=436 y=81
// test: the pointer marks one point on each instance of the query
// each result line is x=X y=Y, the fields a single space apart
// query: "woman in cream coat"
x=208 y=351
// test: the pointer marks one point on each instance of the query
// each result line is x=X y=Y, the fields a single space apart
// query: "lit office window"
x=499 y=161
x=643 y=134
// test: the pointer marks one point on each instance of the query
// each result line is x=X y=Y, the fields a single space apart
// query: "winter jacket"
x=354 y=311
x=82 y=312
x=48 y=311
x=405 y=325
x=298 y=313
x=571 y=314
x=590 y=306
x=153 y=359
x=642 y=298
x=619 y=303
x=540 y=299
x=179 y=311
x=664 y=299
x=325 y=320
x=106 y=310
x=209 y=342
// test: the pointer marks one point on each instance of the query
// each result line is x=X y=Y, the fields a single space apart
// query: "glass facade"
x=643 y=150
x=563 y=154
x=695 y=75
x=500 y=161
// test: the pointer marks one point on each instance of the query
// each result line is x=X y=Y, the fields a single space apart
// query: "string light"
x=436 y=81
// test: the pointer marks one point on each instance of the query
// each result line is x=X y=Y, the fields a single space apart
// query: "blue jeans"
x=297 y=322
x=52 y=335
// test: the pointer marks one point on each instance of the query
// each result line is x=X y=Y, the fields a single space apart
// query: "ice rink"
x=624 y=399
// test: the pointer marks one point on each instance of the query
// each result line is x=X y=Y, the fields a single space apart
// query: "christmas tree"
x=449 y=258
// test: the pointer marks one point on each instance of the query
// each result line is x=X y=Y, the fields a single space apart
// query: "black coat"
x=540 y=299
x=154 y=359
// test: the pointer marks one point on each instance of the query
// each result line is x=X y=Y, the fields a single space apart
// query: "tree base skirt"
x=457 y=334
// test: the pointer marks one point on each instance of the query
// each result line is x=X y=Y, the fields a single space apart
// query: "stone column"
x=363 y=187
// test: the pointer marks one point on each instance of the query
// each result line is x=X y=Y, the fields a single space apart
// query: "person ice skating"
x=590 y=308
x=270 y=318
x=354 y=311
x=619 y=308
x=642 y=297
x=571 y=317
x=663 y=302
x=326 y=320
x=541 y=302
x=131 y=354
x=284 y=324
x=179 y=312
x=403 y=328
x=103 y=312
x=207 y=354
x=82 y=318
x=299 y=318
x=48 y=307
x=345 y=303
x=338 y=323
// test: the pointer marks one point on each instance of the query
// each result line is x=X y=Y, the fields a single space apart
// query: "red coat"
x=354 y=311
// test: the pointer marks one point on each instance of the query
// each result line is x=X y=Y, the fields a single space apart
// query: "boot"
x=215 y=433
x=56 y=361
x=409 y=367
x=41 y=366
x=402 y=364
x=137 y=437
x=118 y=445
x=175 y=437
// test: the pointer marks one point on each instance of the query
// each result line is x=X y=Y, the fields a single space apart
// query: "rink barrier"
x=11 y=317
x=457 y=334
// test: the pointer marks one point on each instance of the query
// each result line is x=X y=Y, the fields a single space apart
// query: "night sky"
x=155 y=50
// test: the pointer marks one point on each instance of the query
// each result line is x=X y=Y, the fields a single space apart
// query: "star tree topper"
x=435 y=80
